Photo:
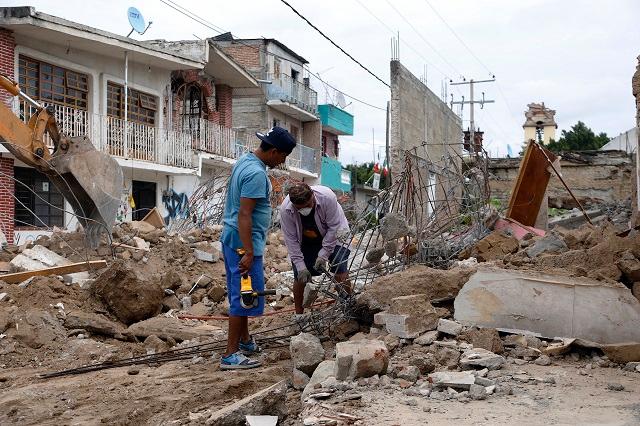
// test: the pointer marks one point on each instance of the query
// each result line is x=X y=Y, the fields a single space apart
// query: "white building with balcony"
x=178 y=125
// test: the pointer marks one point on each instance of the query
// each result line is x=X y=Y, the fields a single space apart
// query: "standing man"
x=247 y=215
x=311 y=221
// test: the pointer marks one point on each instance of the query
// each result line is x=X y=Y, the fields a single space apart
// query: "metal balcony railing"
x=286 y=89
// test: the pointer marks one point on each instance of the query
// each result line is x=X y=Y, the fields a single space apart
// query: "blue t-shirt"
x=248 y=180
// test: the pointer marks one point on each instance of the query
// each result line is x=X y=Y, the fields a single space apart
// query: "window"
x=192 y=109
x=294 y=75
x=53 y=84
x=141 y=108
x=35 y=193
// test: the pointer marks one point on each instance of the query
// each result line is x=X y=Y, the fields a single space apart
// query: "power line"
x=423 y=38
x=186 y=12
x=444 y=21
x=402 y=40
x=458 y=37
x=335 y=44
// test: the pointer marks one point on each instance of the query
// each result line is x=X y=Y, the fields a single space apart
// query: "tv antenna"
x=137 y=21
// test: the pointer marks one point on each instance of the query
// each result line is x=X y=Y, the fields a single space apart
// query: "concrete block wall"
x=417 y=115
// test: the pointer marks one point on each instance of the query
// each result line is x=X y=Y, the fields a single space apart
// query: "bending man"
x=311 y=220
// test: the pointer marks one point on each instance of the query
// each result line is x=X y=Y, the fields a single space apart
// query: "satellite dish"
x=137 y=21
x=340 y=101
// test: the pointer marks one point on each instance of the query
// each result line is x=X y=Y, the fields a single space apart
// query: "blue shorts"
x=338 y=262
x=231 y=261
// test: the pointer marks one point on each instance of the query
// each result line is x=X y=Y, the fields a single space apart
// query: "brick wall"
x=247 y=56
x=7 y=60
x=7 y=203
x=224 y=94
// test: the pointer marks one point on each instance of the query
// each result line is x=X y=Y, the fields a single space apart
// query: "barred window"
x=141 y=106
x=53 y=84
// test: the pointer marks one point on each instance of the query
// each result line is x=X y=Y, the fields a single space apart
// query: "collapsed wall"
x=593 y=176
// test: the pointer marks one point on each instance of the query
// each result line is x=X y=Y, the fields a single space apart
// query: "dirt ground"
x=167 y=394
x=155 y=395
x=574 y=399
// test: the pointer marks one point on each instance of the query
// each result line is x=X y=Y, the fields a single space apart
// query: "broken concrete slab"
x=268 y=401
x=481 y=358
x=367 y=358
x=551 y=305
x=393 y=225
x=172 y=328
x=93 y=323
x=452 y=379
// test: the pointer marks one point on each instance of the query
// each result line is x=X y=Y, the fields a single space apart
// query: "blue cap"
x=279 y=138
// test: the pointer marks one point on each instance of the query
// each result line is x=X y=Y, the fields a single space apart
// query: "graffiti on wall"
x=124 y=209
x=176 y=204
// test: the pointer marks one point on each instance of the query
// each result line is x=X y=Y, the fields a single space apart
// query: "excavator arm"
x=91 y=181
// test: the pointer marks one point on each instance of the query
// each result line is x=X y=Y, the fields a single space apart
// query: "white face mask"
x=306 y=211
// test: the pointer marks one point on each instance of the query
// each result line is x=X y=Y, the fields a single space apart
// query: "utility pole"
x=472 y=102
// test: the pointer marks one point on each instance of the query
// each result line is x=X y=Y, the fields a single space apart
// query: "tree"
x=362 y=173
x=579 y=138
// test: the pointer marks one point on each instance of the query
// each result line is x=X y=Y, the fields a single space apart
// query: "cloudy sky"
x=576 y=56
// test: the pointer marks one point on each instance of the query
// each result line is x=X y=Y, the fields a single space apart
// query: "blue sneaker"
x=250 y=347
x=238 y=361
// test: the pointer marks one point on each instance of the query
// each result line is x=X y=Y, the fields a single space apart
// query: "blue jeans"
x=231 y=262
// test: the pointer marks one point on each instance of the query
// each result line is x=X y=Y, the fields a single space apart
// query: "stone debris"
x=452 y=379
x=361 y=359
x=306 y=352
x=481 y=358
x=449 y=327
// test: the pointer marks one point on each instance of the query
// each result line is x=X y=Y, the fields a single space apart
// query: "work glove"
x=321 y=265
x=304 y=276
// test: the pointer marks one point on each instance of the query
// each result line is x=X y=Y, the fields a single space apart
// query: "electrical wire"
x=423 y=38
x=335 y=44
x=416 y=51
x=186 y=12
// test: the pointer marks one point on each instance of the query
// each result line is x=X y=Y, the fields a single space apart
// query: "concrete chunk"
x=410 y=316
x=551 y=305
x=481 y=358
x=449 y=327
x=306 y=352
x=368 y=358
x=452 y=379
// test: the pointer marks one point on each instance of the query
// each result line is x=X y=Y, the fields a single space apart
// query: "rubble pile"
x=599 y=252
x=129 y=307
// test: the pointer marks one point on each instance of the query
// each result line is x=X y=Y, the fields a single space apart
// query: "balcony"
x=302 y=158
x=160 y=146
x=291 y=97
x=335 y=120
x=142 y=142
